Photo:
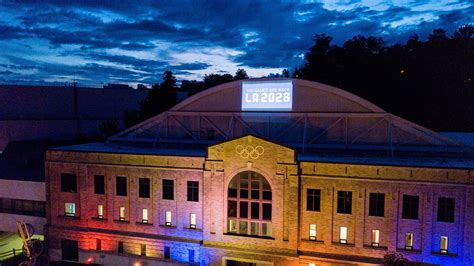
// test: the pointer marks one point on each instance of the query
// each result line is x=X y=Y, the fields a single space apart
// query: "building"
x=30 y=113
x=33 y=118
x=264 y=172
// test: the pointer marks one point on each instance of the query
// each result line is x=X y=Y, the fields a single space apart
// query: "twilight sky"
x=98 y=42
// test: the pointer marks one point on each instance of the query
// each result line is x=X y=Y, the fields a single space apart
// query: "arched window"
x=249 y=205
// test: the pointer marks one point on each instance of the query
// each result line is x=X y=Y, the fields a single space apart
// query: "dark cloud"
x=248 y=33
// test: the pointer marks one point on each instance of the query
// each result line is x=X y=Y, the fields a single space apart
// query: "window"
x=167 y=252
x=144 y=216
x=68 y=183
x=192 y=221
x=100 y=211
x=249 y=205
x=409 y=241
x=99 y=184
x=98 y=244
x=190 y=255
x=443 y=245
x=375 y=238
x=376 y=204
x=193 y=191
x=70 y=209
x=446 y=207
x=410 y=207
x=121 y=185
x=144 y=187
x=313 y=200
x=168 y=218
x=344 y=202
x=23 y=207
x=143 y=249
x=343 y=235
x=120 y=247
x=168 y=189
x=312 y=232
x=122 y=214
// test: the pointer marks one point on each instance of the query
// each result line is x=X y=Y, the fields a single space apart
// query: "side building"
x=234 y=176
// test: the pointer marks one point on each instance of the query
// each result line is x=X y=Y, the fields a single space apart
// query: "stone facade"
x=211 y=243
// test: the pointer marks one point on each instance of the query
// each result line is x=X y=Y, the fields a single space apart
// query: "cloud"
x=101 y=41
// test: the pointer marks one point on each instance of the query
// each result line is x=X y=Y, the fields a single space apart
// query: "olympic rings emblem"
x=249 y=151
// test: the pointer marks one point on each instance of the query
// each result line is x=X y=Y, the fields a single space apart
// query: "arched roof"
x=308 y=96
x=322 y=117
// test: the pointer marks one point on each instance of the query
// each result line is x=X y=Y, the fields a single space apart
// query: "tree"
x=393 y=258
x=240 y=74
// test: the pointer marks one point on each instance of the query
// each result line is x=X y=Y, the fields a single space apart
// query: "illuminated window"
x=375 y=238
x=410 y=207
x=376 y=204
x=193 y=191
x=409 y=241
x=144 y=216
x=312 y=232
x=68 y=183
x=343 y=235
x=249 y=205
x=122 y=214
x=313 y=200
x=100 y=211
x=168 y=218
x=311 y=264
x=443 y=245
x=142 y=249
x=70 y=209
x=344 y=202
x=192 y=220
x=168 y=189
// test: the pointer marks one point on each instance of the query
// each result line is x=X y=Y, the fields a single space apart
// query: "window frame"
x=446 y=210
x=408 y=207
x=121 y=186
x=66 y=184
x=99 y=184
x=193 y=191
x=313 y=196
x=344 y=202
x=144 y=187
x=168 y=189
x=377 y=204
x=242 y=193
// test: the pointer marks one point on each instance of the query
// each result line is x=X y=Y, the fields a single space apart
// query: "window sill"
x=70 y=217
x=409 y=250
x=372 y=247
x=192 y=229
x=99 y=219
x=145 y=224
x=317 y=241
x=343 y=244
x=444 y=254
x=122 y=221
x=340 y=213
x=252 y=236
x=168 y=226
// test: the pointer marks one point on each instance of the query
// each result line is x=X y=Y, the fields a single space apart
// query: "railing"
x=10 y=254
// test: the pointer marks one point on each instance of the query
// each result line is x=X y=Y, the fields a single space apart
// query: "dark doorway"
x=70 y=250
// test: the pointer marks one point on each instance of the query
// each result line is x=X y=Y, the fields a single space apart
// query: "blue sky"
x=99 y=42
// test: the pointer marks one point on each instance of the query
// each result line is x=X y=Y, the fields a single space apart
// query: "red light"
x=89 y=260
